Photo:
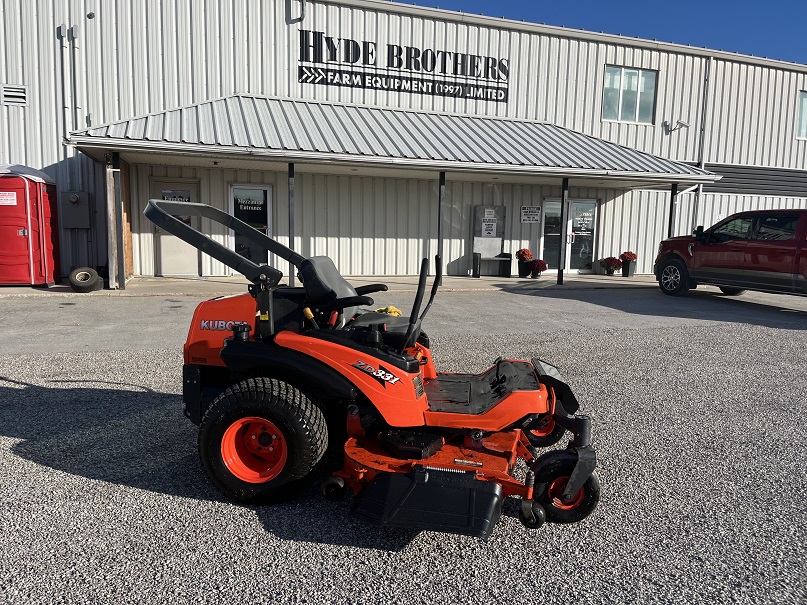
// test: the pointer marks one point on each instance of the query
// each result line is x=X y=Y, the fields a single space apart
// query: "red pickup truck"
x=762 y=250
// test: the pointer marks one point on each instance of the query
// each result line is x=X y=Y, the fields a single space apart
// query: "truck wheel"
x=552 y=472
x=85 y=279
x=259 y=438
x=731 y=291
x=673 y=277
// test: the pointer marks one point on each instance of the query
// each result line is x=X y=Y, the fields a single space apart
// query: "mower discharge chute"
x=273 y=376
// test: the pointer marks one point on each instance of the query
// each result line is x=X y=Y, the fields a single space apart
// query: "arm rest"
x=342 y=303
x=362 y=290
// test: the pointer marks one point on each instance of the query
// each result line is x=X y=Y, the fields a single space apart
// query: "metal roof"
x=294 y=130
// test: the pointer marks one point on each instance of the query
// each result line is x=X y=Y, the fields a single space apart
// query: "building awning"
x=255 y=130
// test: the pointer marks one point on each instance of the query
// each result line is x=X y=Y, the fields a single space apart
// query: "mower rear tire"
x=552 y=472
x=259 y=439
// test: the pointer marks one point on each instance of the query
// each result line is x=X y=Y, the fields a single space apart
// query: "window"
x=777 y=227
x=802 y=132
x=630 y=95
x=734 y=229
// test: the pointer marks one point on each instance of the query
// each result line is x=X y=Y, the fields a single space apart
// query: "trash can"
x=29 y=233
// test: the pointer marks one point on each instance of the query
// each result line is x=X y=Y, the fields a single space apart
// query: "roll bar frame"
x=160 y=213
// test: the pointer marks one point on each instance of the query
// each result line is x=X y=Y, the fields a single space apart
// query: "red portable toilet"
x=29 y=234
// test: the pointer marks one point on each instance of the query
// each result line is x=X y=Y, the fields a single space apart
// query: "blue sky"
x=776 y=29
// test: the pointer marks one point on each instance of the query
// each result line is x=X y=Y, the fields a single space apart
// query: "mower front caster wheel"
x=552 y=473
x=531 y=514
x=334 y=488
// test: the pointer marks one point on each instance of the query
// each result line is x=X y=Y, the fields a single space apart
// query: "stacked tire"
x=85 y=279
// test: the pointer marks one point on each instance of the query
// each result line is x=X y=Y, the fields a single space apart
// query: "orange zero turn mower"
x=275 y=376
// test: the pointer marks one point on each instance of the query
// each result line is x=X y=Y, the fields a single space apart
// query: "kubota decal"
x=218 y=324
x=381 y=375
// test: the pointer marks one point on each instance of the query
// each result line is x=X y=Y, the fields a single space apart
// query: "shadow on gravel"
x=784 y=311
x=140 y=439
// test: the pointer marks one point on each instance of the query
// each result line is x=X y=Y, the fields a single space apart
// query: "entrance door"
x=172 y=256
x=579 y=244
x=253 y=205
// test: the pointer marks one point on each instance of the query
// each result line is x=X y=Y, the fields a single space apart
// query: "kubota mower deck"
x=274 y=376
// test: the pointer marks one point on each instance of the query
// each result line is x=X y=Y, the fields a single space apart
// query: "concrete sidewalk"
x=205 y=287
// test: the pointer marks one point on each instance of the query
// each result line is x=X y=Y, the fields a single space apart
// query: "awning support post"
x=121 y=252
x=291 y=221
x=673 y=200
x=564 y=202
x=114 y=213
x=440 y=216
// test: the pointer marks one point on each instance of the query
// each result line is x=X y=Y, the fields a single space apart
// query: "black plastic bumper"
x=432 y=499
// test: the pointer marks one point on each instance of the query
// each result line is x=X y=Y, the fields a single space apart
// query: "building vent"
x=13 y=95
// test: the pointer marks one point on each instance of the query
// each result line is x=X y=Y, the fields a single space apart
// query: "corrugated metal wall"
x=144 y=57
x=33 y=53
x=135 y=58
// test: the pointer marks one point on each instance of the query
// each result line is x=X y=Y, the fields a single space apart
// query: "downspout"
x=702 y=138
x=62 y=31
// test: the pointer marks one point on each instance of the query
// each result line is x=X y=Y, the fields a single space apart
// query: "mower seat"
x=326 y=289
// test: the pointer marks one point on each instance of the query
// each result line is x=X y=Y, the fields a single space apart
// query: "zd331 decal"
x=382 y=375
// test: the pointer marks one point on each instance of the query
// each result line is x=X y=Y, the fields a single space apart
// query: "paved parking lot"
x=698 y=406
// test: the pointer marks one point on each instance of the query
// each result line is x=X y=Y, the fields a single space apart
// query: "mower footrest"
x=432 y=499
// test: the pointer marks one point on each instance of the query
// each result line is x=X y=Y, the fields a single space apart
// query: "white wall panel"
x=136 y=58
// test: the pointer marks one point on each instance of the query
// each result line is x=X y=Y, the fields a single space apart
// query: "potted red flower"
x=610 y=264
x=524 y=256
x=536 y=267
x=628 y=263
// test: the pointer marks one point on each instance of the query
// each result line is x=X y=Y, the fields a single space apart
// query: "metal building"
x=370 y=131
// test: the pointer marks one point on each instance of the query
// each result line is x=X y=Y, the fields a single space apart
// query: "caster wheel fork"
x=531 y=514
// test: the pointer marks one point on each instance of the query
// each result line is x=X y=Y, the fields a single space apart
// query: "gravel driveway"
x=698 y=405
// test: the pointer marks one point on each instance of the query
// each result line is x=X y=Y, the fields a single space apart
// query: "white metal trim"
x=121 y=145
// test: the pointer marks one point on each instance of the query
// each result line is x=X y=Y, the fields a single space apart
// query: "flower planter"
x=523 y=269
x=535 y=274
x=628 y=268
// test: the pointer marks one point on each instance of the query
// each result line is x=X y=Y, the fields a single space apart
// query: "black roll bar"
x=160 y=213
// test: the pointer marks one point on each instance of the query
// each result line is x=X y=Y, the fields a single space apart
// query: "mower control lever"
x=413 y=331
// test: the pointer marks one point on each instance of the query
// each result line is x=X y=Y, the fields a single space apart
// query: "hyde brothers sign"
x=398 y=68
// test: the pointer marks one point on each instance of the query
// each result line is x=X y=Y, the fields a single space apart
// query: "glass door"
x=253 y=206
x=580 y=224
x=550 y=250
x=580 y=254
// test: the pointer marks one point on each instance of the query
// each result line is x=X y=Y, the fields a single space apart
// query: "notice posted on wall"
x=530 y=214
x=8 y=198
x=489 y=227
